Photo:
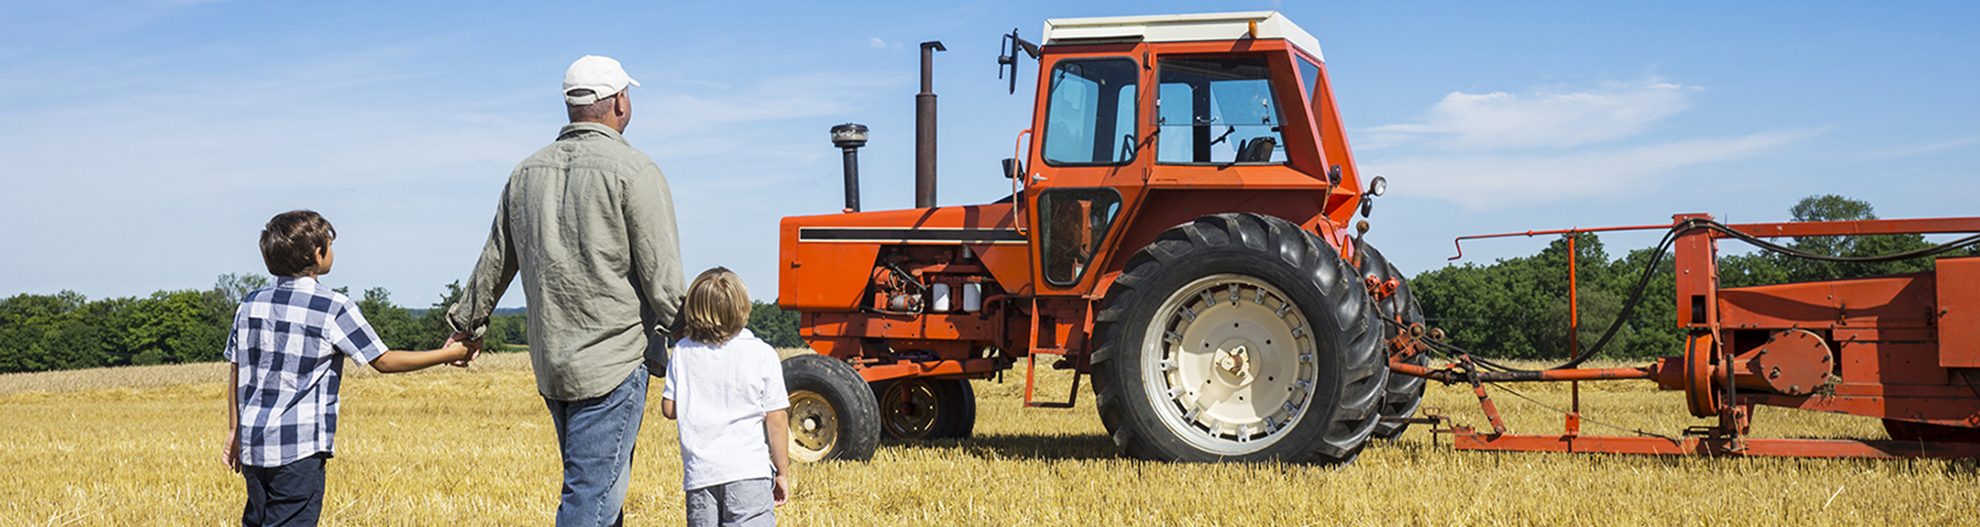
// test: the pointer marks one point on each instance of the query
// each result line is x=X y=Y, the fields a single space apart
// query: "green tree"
x=775 y=326
x=235 y=286
x=432 y=325
x=175 y=327
x=394 y=324
x=507 y=332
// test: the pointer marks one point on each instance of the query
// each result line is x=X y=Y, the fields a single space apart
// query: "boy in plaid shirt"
x=287 y=349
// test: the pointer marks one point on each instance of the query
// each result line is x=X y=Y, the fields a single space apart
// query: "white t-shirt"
x=720 y=394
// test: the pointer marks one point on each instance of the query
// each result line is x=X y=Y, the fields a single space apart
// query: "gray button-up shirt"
x=589 y=223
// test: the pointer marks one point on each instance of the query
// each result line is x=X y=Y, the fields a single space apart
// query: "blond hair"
x=717 y=307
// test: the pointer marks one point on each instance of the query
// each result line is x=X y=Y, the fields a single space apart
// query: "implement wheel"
x=833 y=415
x=1400 y=311
x=915 y=409
x=1238 y=337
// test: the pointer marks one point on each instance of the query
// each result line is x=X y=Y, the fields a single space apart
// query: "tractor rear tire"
x=1404 y=393
x=833 y=414
x=1238 y=337
x=921 y=409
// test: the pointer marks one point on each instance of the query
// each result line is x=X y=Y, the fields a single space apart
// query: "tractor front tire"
x=832 y=414
x=1399 y=311
x=1238 y=337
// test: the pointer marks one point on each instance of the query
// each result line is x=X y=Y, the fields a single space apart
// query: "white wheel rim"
x=1234 y=364
x=814 y=426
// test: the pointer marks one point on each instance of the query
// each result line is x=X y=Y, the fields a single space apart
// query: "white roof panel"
x=1180 y=28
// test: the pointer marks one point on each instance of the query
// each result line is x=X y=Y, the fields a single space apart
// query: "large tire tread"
x=1404 y=393
x=848 y=394
x=1350 y=410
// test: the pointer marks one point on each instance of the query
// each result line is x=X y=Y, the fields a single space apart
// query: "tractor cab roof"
x=1180 y=28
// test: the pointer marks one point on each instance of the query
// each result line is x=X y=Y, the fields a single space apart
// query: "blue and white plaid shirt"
x=288 y=344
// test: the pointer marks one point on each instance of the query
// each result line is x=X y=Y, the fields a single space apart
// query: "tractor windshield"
x=1217 y=111
x=1089 y=116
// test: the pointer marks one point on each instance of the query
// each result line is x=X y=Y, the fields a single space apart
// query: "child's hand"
x=233 y=452
x=462 y=349
x=780 y=489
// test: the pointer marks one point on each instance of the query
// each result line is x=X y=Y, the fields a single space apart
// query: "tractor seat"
x=1257 y=150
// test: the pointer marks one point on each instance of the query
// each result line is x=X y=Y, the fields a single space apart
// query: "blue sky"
x=143 y=143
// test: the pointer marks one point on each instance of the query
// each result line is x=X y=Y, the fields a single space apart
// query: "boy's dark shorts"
x=290 y=494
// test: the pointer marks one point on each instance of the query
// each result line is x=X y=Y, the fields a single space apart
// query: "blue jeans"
x=290 y=494
x=596 y=436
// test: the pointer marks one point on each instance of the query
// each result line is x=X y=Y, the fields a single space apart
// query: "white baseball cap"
x=602 y=75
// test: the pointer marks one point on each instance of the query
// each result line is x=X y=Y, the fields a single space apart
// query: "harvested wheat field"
x=473 y=447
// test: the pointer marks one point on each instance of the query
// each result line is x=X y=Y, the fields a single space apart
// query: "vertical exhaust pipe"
x=849 y=137
x=924 y=128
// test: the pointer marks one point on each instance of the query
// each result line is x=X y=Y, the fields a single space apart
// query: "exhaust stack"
x=924 y=128
x=849 y=137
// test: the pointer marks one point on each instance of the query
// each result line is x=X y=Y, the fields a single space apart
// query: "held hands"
x=464 y=347
x=780 y=489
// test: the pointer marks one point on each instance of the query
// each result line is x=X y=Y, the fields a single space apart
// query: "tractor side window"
x=1072 y=223
x=1217 y=111
x=1089 y=116
x=1309 y=75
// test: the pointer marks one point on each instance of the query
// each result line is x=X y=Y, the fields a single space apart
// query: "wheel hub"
x=817 y=426
x=1237 y=364
x=909 y=408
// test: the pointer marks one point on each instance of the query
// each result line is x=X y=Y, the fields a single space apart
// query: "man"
x=589 y=223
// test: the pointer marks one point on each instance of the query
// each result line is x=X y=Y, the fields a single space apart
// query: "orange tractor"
x=1177 y=229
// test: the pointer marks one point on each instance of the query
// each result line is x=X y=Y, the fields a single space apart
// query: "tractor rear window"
x=1217 y=111
x=1090 y=112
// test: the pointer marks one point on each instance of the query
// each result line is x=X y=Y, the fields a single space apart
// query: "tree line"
x=66 y=330
x=1511 y=308
x=1518 y=307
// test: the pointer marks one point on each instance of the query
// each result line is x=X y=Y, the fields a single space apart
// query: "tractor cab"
x=1144 y=114
x=1175 y=230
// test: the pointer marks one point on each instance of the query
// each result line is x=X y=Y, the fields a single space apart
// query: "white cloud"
x=1501 y=150
x=1538 y=119
x=183 y=166
x=1481 y=182
x=876 y=43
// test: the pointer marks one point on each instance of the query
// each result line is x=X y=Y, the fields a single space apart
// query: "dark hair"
x=292 y=239
x=595 y=111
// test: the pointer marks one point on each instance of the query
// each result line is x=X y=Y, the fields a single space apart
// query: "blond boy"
x=725 y=388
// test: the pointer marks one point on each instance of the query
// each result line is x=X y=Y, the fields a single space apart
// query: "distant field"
x=473 y=447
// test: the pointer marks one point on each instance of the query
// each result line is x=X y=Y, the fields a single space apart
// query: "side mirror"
x=1012 y=168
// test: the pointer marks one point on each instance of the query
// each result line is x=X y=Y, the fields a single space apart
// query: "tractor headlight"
x=1378 y=186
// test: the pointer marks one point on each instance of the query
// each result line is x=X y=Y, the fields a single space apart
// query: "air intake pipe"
x=849 y=137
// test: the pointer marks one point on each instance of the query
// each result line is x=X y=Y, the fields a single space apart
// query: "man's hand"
x=471 y=348
x=780 y=489
x=233 y=451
